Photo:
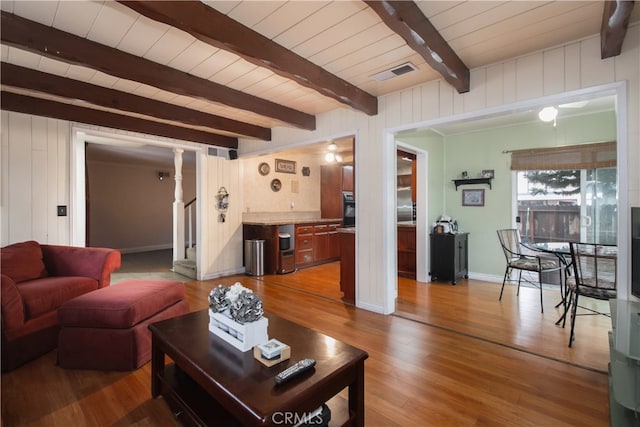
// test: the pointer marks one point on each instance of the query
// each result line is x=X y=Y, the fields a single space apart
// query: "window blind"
x=583 y=156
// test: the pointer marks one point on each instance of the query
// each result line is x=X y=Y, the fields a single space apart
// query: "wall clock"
x=276 y=185
x=264 y=168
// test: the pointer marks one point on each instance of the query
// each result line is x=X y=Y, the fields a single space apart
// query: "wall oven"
x=348 y=209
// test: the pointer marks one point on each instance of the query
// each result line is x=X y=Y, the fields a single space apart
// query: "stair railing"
x=189 y=218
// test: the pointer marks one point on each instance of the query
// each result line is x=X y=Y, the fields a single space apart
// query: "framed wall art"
x=472 y=197
x=285 y=166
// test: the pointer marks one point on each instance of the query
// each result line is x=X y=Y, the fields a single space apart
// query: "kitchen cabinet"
x=348 y=265
x=334 y=179
x=304 y=245
x=449 y=256
x=312 y=243
x=316 y=243
x=407 y=251
x=334 y=241
x=320 y=242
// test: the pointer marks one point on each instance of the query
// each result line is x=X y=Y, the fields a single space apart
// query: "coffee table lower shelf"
x=193 y=406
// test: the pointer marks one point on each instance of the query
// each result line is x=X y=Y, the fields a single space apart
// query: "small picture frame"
x=487 y=173
x=285 y=166
x=473 y=197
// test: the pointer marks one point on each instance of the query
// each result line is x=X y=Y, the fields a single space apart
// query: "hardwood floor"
x=467 y=360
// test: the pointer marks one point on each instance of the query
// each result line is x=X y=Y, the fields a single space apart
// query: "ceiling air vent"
x=394 y=72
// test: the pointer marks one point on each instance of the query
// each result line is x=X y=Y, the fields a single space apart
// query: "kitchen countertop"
x=276 y=221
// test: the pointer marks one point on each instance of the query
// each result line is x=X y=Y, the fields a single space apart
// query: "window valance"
x=582 y=156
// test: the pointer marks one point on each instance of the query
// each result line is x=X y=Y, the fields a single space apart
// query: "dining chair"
x=594 y=268
x=525 y=259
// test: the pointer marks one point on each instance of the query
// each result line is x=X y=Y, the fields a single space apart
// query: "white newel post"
x=178 y=209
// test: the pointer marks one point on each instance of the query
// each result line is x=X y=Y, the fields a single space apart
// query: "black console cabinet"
x=449 y=256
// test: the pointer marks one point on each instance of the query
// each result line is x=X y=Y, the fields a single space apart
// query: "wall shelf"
x=470 y=181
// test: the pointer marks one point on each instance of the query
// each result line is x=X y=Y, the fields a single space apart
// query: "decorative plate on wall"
x=276 y=185
x=264 y=168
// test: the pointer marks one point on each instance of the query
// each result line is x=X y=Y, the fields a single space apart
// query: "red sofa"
x=36 y=280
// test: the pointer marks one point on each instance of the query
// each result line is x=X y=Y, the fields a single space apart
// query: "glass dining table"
x=562 y=251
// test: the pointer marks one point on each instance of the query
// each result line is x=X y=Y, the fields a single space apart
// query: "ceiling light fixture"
x=329 y=157
x=333 y=146
x=548 y=114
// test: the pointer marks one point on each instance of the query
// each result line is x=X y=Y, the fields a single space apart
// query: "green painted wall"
x=476 y=151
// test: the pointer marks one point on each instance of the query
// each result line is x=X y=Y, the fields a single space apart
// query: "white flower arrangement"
x=237 y=302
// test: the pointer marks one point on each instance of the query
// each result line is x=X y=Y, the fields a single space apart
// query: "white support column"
x=178 y=208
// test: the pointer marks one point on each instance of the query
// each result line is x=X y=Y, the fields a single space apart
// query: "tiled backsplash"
x=278 y=216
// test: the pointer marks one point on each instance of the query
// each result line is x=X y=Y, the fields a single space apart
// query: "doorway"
x=123 y=189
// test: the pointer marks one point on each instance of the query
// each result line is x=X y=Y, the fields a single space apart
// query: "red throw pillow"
x=22 y=261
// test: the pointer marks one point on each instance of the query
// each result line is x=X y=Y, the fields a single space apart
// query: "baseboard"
x=486 y=277
x=146 y=248
x=223 y=273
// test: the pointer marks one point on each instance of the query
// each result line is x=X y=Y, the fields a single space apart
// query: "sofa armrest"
x=97 y=263
x=12 y=307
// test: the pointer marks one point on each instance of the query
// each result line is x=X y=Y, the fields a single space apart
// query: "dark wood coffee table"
x=213 y=383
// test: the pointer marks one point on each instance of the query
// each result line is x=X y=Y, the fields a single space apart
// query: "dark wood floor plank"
x=426 y=372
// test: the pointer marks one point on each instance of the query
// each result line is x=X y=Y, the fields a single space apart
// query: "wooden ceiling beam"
x=615 y=20
x=27 y=78
x=408 y=21
x=42 y=107
x=216 y=29
x=52 y=43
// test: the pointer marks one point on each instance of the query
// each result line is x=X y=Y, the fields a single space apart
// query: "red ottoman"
x=107 y=329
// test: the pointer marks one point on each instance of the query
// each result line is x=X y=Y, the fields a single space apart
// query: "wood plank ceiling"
x=216 y=71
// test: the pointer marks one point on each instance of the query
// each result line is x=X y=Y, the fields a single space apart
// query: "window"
x=574 y=203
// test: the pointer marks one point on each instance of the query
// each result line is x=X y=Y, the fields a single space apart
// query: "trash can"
x=284 y=241
x=254 y=257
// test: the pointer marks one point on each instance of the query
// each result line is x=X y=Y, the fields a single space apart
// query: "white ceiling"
x=346 y=38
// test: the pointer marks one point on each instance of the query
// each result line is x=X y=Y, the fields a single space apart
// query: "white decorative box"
x=242 y=336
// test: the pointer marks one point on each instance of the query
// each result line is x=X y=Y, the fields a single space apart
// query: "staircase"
x=187 y=266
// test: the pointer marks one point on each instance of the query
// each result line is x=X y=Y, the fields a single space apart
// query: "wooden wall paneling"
x=416 y=107
x=553 y=71
x=446 y=99
x=509 y=83
x=476 y=99
x=529 y=77
x=429 y=98
x=393 y=114
x=494 y=85
x=216 y=229
x=406 y=104
x=20 y=179
x=626 y=68
x=4 y=175
x=52 y=219
x=458 y=103
x=39 y=133
x=572 y=79
x=60 y=150
x=224 y=235
x=40 y=196
x=595 y=71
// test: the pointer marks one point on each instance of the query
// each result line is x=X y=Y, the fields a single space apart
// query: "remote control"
x=294 y=370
